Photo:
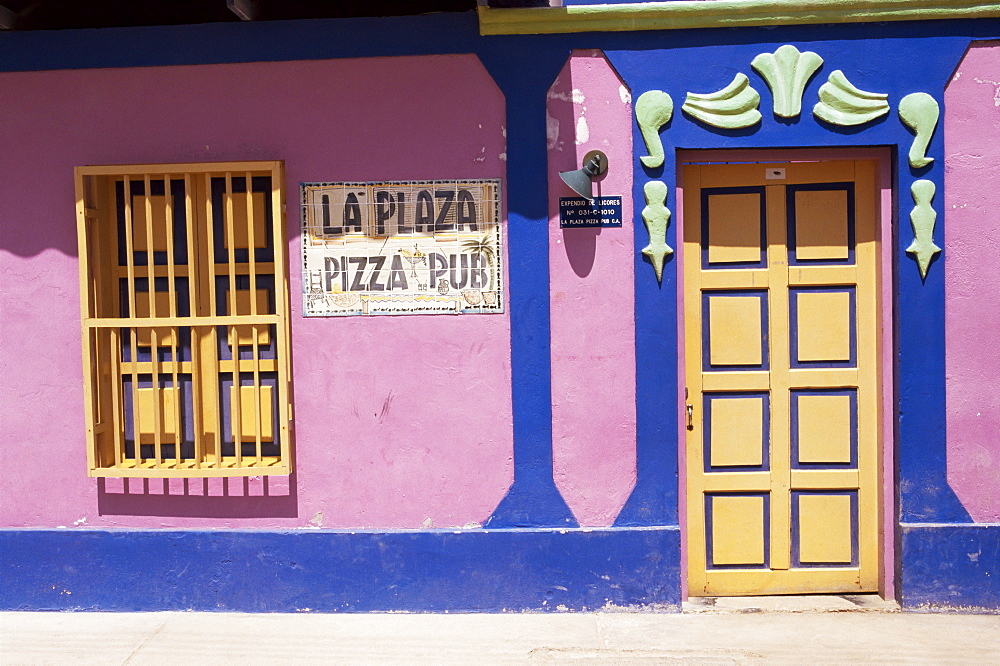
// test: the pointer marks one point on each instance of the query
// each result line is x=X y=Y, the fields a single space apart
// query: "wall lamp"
x=581 y=180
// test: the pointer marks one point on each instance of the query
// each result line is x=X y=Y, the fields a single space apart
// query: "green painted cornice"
x=681 y=14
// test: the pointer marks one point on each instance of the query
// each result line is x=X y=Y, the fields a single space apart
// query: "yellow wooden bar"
x=198 y=395
x=175 y=337
x=251 y=242
x=752 y=582
x=869 y=386
x=282 y=346
x=252 y=256
x=804 y=276
x=736 y=482
x=822 y=377
x=116 y=399
x=245 y=365
x=730 y=279
x=103 y=240
x=192 y=244
x=210 y=366
x=263 y=267
x=778 y=339
x=145 y=367
x=236 y=399
x=177 y=168
x=158 y=271
x=133 y=333
x=86 y=308
x=733 y=381
x=147 y=203
x=194 y=306
x=277 y=469
x=256 y=390
x=813 y=479
x=157 y=403
x=694 y=382
x=115 y=305
x=150 y=224
x=221 y=320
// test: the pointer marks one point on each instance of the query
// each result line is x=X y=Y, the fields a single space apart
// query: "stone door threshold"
x=792 y=603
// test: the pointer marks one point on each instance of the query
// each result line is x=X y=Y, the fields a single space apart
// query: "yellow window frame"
x=169 y=334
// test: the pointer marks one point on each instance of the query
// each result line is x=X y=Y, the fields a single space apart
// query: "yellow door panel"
x=781 y=353
x=737 y=431
x=825 y=529
x=821 y=225
x=241 y=224
x=141 y=222
x=149 y=413
x=734 y=227
x=823 y=325
x=734 y=325
x=824 y=427
x=738 y=528
x=248 y=409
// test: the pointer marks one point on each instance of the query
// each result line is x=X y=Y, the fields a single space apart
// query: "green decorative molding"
x=687 y=14
x=653 y=110
x=786 y=72
x=920 y=112
x=922 y=217
x=841 y=103
x=656 y=216
x=733 y=107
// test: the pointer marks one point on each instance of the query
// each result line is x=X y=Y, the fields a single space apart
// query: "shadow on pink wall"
x=235 y=497
x=580 y=245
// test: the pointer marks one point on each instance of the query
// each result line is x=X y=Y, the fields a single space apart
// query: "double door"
x=781 y=353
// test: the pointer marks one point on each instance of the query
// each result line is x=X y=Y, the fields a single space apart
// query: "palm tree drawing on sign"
x=482 y=247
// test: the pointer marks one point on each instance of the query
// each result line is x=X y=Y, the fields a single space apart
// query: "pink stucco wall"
x=400 y=421
x=972 y=263
x=592 y=297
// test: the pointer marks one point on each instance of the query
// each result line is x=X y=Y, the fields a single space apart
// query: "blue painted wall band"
x=950 y=567
x=330 y=571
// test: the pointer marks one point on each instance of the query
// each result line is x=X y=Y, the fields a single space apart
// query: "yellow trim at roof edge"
x=681 y=14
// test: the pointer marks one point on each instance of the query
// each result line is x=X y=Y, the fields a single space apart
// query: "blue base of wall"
x=951 y=567
x=327 y=571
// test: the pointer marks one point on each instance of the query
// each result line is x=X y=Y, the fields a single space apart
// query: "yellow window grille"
x=184 y=300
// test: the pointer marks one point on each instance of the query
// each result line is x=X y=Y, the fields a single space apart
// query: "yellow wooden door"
x=781 y=353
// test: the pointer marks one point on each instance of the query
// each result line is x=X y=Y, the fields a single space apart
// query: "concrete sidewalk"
x=694 y=637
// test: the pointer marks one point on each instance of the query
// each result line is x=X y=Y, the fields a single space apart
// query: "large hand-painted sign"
x=401 y=247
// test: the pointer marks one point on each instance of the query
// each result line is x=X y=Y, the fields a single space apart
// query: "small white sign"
x=774 y=174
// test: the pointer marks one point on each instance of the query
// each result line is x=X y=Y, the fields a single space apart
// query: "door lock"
x=690 y=417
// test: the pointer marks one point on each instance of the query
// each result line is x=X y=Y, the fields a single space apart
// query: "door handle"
x=690 y=417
